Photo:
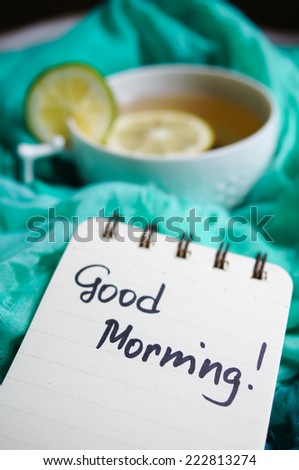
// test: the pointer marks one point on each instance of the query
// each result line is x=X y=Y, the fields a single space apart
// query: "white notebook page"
x=100 y=375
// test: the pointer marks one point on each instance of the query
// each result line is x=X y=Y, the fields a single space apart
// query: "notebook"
x=143 y=342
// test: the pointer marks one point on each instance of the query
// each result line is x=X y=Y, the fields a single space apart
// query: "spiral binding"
x=111 y=226
x=258 y=270
x=147 y=236
x=220 y=258
x=183 y=247
x=182 y=251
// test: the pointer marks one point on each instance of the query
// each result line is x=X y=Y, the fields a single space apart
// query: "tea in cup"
x=240 y=111
x=201 y=133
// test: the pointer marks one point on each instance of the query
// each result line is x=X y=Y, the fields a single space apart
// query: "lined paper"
x=84 y=377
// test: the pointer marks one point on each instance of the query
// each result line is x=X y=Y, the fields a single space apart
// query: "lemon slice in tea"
x=160 y=132
x=70 y=91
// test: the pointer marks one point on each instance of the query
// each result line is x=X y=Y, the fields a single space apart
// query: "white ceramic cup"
x=223 y=175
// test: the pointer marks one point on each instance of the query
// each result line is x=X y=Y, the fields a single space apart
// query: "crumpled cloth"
x=120 y=35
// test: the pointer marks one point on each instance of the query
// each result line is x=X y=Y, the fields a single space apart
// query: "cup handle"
x=29 y=153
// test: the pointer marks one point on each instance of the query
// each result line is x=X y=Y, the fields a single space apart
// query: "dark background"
x=14 y=14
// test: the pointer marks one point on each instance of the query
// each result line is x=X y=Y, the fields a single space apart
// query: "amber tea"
x=230 y=121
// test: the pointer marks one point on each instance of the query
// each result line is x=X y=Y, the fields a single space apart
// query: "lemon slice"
x=161 y=133
x=71 y=91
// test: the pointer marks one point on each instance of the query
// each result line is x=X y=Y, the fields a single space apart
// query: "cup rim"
x=202 y=70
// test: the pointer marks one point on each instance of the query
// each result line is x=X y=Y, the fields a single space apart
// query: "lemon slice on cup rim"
x=73 y=91
x=161 y=133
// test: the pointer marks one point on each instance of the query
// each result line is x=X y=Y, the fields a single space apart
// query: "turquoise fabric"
x=118 y=36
